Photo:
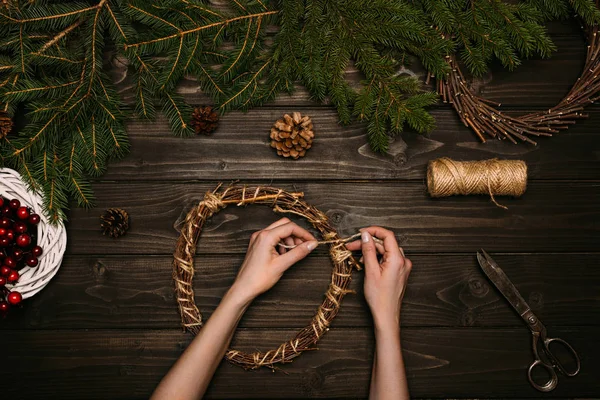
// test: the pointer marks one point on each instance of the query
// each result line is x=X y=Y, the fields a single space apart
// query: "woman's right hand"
x=385 y=281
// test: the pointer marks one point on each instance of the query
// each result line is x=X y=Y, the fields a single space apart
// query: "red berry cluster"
x=18 y=229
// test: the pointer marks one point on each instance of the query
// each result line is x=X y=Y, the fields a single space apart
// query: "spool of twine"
x=446 y=177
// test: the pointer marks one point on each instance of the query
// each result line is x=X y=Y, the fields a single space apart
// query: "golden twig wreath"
x=281 y=202
x=481 y=115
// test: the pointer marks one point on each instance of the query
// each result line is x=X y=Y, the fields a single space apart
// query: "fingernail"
x=311 y=245
x=401 y=251
x=365 y=236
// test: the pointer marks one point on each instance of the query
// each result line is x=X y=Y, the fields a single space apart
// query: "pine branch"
x=51 y=61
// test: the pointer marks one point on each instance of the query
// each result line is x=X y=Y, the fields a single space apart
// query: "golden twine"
x=282 y=202
x=446 y=177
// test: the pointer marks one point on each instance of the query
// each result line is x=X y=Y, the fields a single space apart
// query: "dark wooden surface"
x=107 y=326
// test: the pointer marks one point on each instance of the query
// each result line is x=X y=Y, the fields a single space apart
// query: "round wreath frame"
x=51 y=237
x=281 y=202
x=481 y=115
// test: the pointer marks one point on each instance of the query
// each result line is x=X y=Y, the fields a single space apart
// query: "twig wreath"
x=481 y=115
x=281 y=202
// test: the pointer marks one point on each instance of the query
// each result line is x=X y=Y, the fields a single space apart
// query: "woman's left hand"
x=266 y=261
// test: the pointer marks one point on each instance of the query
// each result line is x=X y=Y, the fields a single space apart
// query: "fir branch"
x=51 y=59
x=200 y=28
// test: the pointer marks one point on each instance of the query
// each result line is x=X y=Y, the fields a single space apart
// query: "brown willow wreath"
x=481 y=115
x=281 y=202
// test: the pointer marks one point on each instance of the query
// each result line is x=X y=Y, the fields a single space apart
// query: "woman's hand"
x=385 y=280
x=266 y=261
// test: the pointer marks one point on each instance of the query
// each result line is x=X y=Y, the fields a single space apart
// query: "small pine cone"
x=292 y=135
x=6 y=124
x=205 y=120
x=6 y=4
x=115 y=222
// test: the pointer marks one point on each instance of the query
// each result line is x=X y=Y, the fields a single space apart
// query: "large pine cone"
x=292 y=136
x=6 y=124
x=115 y=222
x=205 y=120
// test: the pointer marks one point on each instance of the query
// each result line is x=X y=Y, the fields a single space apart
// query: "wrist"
x=386 y=324
x=239 y=297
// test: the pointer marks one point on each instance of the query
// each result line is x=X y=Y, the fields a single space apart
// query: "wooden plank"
x=550 y=217
x=440 y=363
x=444 y=290
x=240 y=149
x=536 y=82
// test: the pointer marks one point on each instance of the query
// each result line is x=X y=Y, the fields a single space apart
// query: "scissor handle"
x=556 y=361
x=552 y=382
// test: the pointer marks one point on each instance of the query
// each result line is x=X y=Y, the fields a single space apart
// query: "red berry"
x=4 y=307
x=14 y=298
x=10 y=235
x=31 y=261
x=23 y=240
x=1 y=201
x=23 y=213
x=7 y=211
x=14 y=204
x=2 y=281
x=34 y=219
x=5 y=271
x=10 y=262
x=5 y=223
x=18 y=254
x=37 y=251
x=4 y=242
x=13 y=277
x=20 y=227
x=3 y=231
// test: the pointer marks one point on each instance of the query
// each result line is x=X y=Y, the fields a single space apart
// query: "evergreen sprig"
x=483 y=30
x=243 y=54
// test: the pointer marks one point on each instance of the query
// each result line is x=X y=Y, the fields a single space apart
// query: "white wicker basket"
x=52 y=238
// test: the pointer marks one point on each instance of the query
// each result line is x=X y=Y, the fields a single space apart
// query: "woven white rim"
x=52 y=238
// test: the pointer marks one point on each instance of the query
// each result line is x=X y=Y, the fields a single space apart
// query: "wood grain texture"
x=241 y=151
x=536 y=82
x=440 y=363
x=444 y=290
x=551 y=216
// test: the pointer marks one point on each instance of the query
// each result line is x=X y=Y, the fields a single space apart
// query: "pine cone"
x=205 y=120
x=292 y=136
x=115 y=222
x=6 y=124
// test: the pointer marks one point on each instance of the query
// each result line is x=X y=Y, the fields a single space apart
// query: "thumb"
x=296 y=254
x=369 y=251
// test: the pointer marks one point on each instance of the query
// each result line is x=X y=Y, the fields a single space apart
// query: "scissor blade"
x=501 y=281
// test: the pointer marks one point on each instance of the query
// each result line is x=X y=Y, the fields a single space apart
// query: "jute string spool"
x=447 y=177
x=281 y=202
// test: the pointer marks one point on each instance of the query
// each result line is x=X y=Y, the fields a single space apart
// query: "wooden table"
x=107 y=326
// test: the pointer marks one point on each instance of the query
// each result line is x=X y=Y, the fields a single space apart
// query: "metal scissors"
x=544 y=358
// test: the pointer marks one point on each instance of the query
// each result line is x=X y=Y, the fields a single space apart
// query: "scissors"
x=544 y=358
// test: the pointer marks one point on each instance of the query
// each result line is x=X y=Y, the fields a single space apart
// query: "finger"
x=288 y=241
x=253 y=238
x=279 y=222
x=389 y=240
x=284 y=261
x=273 y=225
x=380 y=248
x=298 y=241
x=369 y=251
x=401 y=251
x=354 y=246
x=372 y=268
x=289 y=229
